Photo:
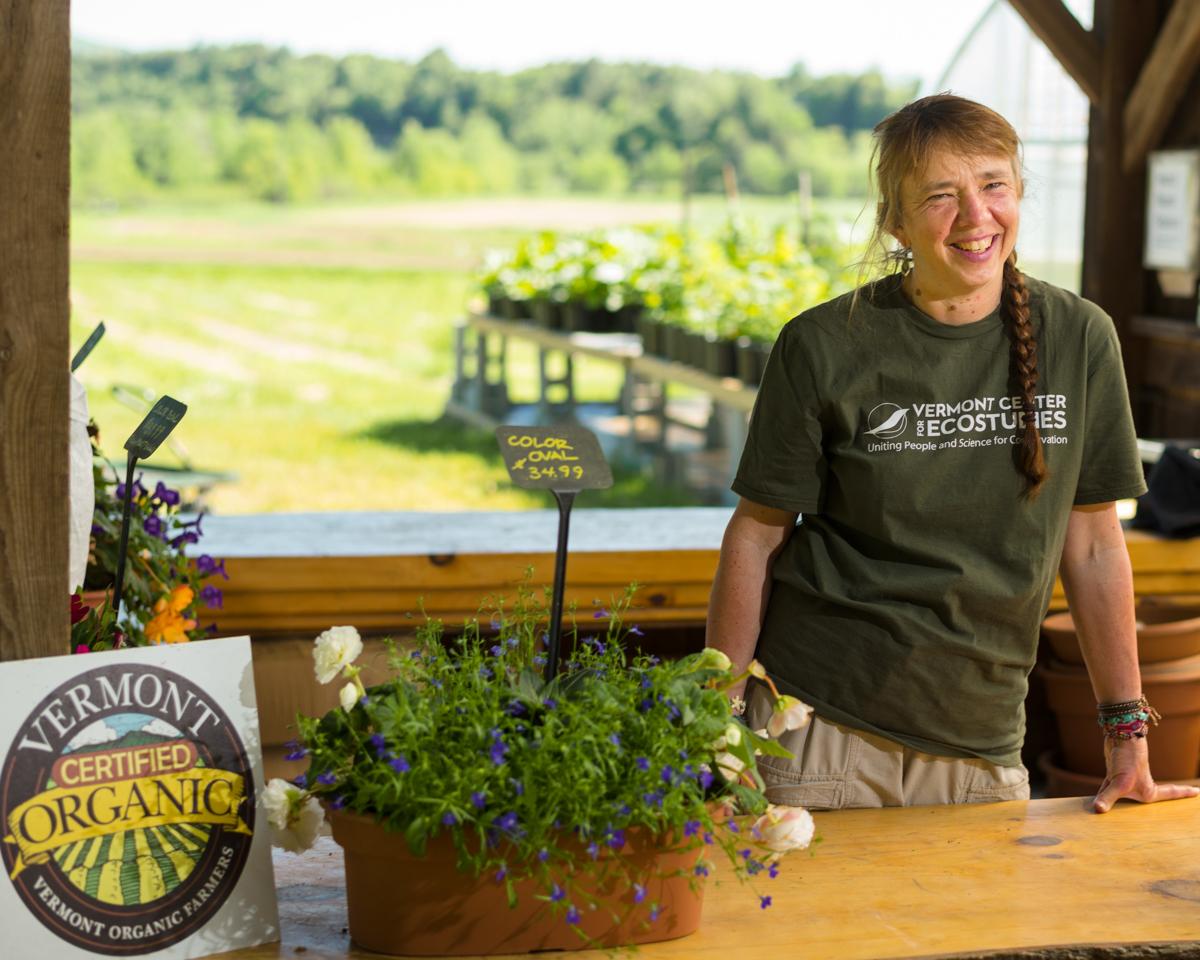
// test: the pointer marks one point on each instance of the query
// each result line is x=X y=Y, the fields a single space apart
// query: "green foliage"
x=738 y=281
x=288 y=128
x=162 y=590
x=536 y=778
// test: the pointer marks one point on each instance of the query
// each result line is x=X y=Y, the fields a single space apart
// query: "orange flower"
x=168 y=624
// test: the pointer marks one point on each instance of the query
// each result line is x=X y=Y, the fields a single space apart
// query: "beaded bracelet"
x=1128 y=720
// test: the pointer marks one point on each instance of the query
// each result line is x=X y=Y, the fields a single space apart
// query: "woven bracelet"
x=1128 y=720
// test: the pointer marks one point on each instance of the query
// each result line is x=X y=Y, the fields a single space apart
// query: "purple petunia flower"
x=186 y=537
x=207 y=566
x=573 y=916
x=165 y=494
x=557 y=893
x=211 y=596
x=399 y=764
x=153 y=526
x=639 y=893
x=642 y=764
x=326 y=779
x=478 y=800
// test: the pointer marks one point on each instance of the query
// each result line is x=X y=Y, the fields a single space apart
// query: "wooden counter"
x=301 y=573
x=1040 y=878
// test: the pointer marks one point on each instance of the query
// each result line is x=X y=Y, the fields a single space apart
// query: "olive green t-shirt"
x=907 y=602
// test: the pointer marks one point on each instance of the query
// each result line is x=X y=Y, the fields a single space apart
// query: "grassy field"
x=313 y=345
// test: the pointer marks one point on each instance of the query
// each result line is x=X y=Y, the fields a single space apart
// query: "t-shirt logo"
x=886 y=420
x=127 y=808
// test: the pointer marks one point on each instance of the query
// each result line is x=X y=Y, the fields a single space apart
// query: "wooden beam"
x=35 y=104
x=1161 y=84
x=1074 y=47
x=1115 y=212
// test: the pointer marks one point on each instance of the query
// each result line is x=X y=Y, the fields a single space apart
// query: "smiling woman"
x=948 y=432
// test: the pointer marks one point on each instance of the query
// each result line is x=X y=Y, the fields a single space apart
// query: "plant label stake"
x=563 y=460
x=152 y=431
x=88 y=345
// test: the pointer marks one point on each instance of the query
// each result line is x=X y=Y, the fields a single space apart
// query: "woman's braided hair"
x=904 y=143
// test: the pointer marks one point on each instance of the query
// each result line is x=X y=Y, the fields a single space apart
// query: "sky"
x=914 y=38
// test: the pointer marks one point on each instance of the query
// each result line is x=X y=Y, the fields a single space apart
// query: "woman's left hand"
x=1128 y=763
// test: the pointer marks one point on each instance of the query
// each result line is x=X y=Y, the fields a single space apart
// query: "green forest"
x=262 y=123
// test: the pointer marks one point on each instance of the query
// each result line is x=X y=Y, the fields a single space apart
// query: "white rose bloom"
x=348 y=695
x=334 y=650
x=729 y=765
x=276 y=800
x=304 y=830
x=713 y=659
x=790 y=714
x=785 y=828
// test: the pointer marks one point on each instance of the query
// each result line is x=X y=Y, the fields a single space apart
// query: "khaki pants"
x=836 y=767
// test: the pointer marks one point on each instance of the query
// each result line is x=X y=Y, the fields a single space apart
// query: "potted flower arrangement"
x=163 y=588
x=485 y=809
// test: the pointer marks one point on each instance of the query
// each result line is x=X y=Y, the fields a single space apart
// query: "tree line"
x=280 y=127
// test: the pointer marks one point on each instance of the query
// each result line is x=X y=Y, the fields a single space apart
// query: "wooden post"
x=1114 y=218
x=35 y=105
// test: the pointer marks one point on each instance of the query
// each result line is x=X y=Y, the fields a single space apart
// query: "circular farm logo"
x=124 y=808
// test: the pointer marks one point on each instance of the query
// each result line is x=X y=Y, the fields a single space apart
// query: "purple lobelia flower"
x=399 y=764
x=211 y=596
x=165 y=494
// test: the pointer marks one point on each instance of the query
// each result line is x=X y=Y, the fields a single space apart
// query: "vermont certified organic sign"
x=127 y=801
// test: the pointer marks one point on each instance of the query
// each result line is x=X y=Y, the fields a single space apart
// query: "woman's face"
x=959 y=216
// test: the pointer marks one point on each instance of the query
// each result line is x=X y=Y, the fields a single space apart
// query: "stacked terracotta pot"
x=1169 y=655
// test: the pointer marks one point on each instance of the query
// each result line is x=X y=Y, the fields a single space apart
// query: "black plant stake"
x=151 y=432
x=563 y=460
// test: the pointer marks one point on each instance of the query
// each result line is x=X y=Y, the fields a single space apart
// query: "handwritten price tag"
x=156 y=427
x=564 y=458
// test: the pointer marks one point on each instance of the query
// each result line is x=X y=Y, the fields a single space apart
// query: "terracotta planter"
x=1067 y=783
x=1165 y=632
x=423 y=906
x=1172 y=686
